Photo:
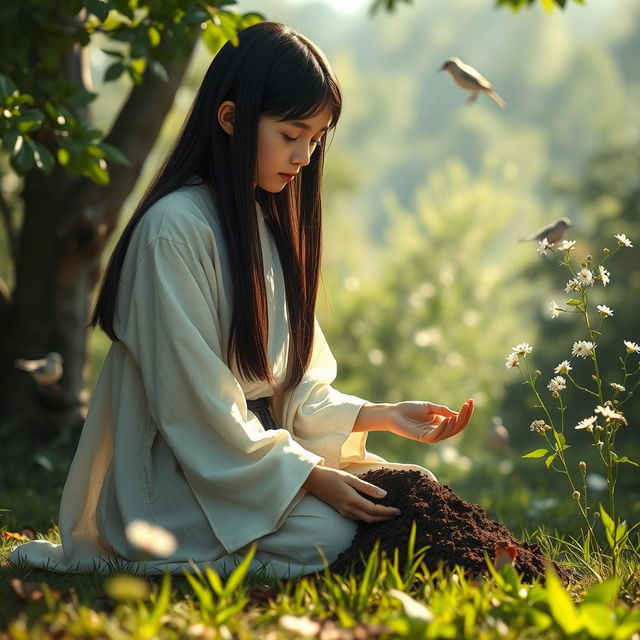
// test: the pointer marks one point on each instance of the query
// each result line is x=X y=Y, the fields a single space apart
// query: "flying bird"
x=552 y=232
x=470 y=79
x=45 y=371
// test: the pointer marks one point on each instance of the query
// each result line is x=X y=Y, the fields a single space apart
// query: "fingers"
x=359 y=514
x=363 y=509
x=441 y=410
x=367 y=488
x=454 y=425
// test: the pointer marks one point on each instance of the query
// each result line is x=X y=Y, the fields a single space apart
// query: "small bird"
x=470 y=79
x=552 y=232
x=498 y=437
x=46 y=371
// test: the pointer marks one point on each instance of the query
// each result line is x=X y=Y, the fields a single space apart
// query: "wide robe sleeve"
x=246 y=479
x=322 y=417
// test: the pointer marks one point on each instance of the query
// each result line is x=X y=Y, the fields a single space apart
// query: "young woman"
x=213 y=415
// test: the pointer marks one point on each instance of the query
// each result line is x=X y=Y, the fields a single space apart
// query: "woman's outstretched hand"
x=339 y=489
x=428 y=422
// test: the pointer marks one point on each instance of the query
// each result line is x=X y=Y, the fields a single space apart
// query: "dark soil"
x=457 y=532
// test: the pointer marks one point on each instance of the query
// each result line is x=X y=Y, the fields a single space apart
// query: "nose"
x=302 y=156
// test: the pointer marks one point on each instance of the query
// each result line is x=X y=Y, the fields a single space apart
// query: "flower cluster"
x=539 y=426
x=513 y=359
x=582 y=348
x=557 y=384
x=607 y=416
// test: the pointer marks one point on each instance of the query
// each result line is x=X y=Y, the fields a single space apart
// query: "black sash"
x=260 y=406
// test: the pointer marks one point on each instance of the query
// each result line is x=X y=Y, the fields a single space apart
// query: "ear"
x=226 y=115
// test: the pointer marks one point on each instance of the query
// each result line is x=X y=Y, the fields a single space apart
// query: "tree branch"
x=12 y=236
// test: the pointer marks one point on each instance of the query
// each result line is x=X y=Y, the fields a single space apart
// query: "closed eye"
x=290 y=139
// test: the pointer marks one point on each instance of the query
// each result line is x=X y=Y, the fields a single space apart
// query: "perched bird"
x=470 y=79
x=498 y=437
x=46 y=371
x=552 y=232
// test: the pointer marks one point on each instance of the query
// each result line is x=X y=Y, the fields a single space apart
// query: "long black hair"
x=273 y=71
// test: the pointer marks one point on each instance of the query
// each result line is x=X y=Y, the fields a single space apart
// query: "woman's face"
x=285 y=147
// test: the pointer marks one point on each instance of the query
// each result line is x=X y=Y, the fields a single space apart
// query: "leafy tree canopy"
x=42 y=104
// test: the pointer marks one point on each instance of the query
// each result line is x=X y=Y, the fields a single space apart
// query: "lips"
x=288 y=176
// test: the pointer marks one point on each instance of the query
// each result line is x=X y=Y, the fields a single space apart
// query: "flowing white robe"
x=168 y=438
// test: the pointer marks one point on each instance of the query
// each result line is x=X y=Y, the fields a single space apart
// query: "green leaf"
x=10 y=139
x=549 y=460
x=626 y=627
x=29 y=120
x=609 y=526
x=598 y=619
x=213 y=38
x=44 y=158
x=603 y=593
x=538 y=453
x=7 y=87
x=574 y=303
x=95 y=151
x=97 y=173
x=560 y=604
x=114 y=71
x=238 y=574
x=99 y=9
x=114 y=53
x=196 y=15
x=63 y=156
x=154 y=36
x=23 y=159
x=114 y=155
x=158 y=70
x=626 y=460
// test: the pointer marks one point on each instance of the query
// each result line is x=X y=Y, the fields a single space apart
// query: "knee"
x=329 y=531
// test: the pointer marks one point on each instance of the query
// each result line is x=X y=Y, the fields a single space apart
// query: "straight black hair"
x=273 y=71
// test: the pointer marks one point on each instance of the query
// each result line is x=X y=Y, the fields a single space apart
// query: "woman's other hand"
x=339 y=489
x=428 y=422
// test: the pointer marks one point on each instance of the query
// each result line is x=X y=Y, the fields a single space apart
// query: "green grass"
x=442 y=604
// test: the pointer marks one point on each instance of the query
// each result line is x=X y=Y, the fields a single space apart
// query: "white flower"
x=572 y=285
x=587 y=423
x=632 y=347
x=512 y=361
x=564 y=367
x=582 y=348
x=151 y=538
x=557 y=384
x=522 y=349
x=585 y=277
x=543 y=245
x=555 y=309
x=604 y=275
x=617 y=387
x=604 y=310
x=567 y=245
x=623 y=241
x=609 y=414
x=539 y=426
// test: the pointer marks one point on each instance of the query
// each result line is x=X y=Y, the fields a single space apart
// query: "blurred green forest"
x=426 y=287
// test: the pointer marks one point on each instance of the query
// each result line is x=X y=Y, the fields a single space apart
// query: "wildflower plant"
x=608 y=397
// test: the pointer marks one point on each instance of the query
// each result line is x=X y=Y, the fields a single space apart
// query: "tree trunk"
x=67 y=223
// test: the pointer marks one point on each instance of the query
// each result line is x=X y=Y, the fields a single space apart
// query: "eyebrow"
x=304 y=125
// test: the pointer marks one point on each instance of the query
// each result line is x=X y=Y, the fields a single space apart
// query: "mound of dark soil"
x=457 y=532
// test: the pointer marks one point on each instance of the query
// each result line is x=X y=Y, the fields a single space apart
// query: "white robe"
x=168 y=437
